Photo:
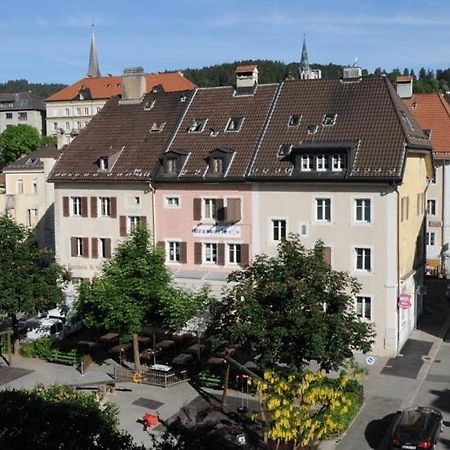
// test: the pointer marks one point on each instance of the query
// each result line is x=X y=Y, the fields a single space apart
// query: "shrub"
x=40 y=348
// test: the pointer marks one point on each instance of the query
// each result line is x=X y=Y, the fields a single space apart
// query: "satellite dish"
x=355 y=62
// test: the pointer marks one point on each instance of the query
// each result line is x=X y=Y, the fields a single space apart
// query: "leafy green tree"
x=30 y=280
x=56 y=417
x=135 y=289
x=47 y=140
x=16 y=141
x=292 y=308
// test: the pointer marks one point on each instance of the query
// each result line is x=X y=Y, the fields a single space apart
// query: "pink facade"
x=204 y=227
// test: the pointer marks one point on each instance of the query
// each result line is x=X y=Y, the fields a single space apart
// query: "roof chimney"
x=133 y=85
x=352 y=73
x=246 y=76
x=404 y=86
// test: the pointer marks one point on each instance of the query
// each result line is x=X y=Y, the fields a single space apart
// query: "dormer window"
x=149 y=105
x=217 y=165
x=329 y=119
x=306 y=163
x=322 y=163
x=218 y=161
x=171 y=166
x=157 y=128
x=197 y=125
x=294 y=120
x=234 y=124
x=312 y=129
x=103 y=163
x=338 y=162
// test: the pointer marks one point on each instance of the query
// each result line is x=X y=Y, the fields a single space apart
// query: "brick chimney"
x=404 y=86
x=133 y=85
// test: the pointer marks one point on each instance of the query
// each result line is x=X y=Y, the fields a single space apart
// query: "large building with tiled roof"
x=70 y=109
x=432 y=112
x=223 y=174
x=103 y=180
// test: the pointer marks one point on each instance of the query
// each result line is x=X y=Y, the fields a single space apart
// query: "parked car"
x=416 y=428
x=72 y=320
x=52 y=328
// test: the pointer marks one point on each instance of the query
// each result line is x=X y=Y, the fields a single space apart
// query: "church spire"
x=304 y=62
x=306 y=73
x=93 y=70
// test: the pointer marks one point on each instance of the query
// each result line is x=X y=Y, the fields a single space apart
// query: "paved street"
x=420 y=377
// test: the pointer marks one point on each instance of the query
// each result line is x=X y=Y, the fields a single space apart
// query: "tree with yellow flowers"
x=302 y=409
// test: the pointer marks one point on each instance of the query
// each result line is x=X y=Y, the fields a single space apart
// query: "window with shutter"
x=113 y=207
x=66 y=206
x=197 y=207
x=85 y=250
x=233 y=211
x=107 y=248
x=245 y=255
x=220 y=210
x=84 y=207
x=94 y=247
x=221 y=254
x=123 y=225
x=93 y=206
x=183 y=252
x=197 y=253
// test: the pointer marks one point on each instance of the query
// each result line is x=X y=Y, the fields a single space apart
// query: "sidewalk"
x=394 y=384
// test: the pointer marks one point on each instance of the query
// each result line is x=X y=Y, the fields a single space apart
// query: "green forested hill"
x=43 y=90
x=269 y=72
x=427 y=80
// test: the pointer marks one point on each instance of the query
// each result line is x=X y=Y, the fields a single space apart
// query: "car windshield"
x=416 y=425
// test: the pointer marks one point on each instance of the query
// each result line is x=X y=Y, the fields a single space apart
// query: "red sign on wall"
x=404 y=301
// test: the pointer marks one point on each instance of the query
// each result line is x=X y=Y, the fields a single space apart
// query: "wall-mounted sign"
x=216 y=231
x=404 y=301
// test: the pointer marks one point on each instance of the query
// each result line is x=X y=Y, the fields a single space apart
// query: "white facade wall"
x=70 y=117
x=96 y=227
x=27 y=117
x=296 y=203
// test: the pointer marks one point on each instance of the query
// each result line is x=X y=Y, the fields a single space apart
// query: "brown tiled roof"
x=121 y=132
x=107 y=87
x=218 y=105
x=33 y=161
x=432 y=112
x=245 y=68
x=369 y=114
x=404 y=79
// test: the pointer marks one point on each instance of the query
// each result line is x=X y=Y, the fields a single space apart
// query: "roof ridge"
x=444 y=103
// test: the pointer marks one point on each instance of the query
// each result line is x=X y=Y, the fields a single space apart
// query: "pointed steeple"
x=305 y=71
x=304 y=62
x=93 y=70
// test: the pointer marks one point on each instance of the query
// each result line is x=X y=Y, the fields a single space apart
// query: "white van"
x=71 y=321
x=52 y=328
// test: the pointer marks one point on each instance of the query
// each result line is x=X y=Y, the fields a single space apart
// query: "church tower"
x=306 y=73
x=93 y=70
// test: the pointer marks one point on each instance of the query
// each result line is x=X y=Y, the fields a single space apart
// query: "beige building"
x=22 y=108
x=28 y=197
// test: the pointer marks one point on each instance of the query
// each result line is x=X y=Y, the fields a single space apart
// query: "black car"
x=416 y=428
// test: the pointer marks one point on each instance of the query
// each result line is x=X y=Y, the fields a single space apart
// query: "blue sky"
x=48 y=41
